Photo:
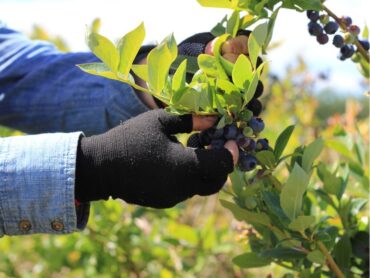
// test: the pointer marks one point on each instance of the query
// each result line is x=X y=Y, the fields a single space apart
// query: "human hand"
x=142 y=162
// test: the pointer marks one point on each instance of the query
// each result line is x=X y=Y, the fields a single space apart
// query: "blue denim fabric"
x=41 y=90
x=37 y=174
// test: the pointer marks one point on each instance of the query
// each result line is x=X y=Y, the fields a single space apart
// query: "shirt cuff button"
x=24 y=225
x=57 y=225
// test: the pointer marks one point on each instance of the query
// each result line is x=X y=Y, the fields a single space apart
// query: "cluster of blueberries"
x=244 y=132
x=322 y=25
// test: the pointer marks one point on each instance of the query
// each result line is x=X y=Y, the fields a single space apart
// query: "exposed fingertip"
x=232 y=147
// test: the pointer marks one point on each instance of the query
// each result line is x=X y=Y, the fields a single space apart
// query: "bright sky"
x=184 y=18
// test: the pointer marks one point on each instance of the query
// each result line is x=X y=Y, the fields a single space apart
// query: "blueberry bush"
x=298 y=195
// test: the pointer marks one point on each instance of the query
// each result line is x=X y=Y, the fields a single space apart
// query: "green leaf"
x=339 y=147
x=159 y=62
x=301 y=5
x=251 y=260
x=332 y=184
x=219 y=29
x=231 y=95
x=179 y=78
x=99 y=69
x=342 y=253
x=210 y=66
x=365 y=32
x=311 y=152
x=187 y=99
x=266 y=158
x=216 y=3
x=302 y=222
x=104 y=49
x=245 y=215
x=254 y=49
x=316 y=256
x=232 y=25
x=272 y=202
x=128 y=47
x=270 y=30
x=141 y=71
x=249 y=93
x=282 y=141
x=237 y=181
x=292 y=192
x=283 y=253
x=242 y=73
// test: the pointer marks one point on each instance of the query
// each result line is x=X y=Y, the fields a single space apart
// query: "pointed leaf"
x=104 y=49
x=302 y=222
x=251 y=260
x=316 y=257
x=141 y=71
x=311 y=152
x=99 y=69
x=179 y=78
x=232 y=25
x=282 y=141
x=266 y=158
x=242 y=73
x=128 y=47
x=216 y=3
x=292 y=192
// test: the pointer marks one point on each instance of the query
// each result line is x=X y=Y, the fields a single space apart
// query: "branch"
x=330 y=261
x=360 y=49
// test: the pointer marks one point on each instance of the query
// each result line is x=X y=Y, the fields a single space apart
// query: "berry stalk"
x=360 y=48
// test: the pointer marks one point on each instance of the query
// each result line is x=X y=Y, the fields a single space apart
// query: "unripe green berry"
x=250 y=202
x=356 y=58
x=349 y=38
x=324 y=18
x=247 y=131
x=246 y=115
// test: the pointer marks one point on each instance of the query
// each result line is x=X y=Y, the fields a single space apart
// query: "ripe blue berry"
x=255 y=106
x=217 y=144
x=259 y=89
x=230 y=132
x=313 y=15
x=331 y=27
x=247 y=162
x=347 y=51
x=338 y=41
x=218 y=134
x=322 y=38
x=242 y=141
x=346 y=20
x=314 y=28
x=262 y=144
x=251 y=146
x=256 y=124
x=365 y=44
x=354 y=29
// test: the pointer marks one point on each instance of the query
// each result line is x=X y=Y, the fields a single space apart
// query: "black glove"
x=142 y=162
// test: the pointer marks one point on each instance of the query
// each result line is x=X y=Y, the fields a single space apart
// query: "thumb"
x=173 y=124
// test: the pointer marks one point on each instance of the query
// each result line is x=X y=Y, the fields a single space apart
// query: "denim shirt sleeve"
x=37 y=174
x=42 y=90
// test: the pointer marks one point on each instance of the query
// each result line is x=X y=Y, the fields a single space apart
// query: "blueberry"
x=251 y=146
x=365 y=44
x=217 y=144
x=313 y=15
x=230 y=132
x=331 y=27
x=241 y=140
x=262 y=144
x=257 y=125
x=259 y=89
x=322 y=38
x=218 y=134
x=346 y=20
x=338 y=41
x=247 y=162
x=354 y=29
x=314 y=28
x=194 y=141
x=347 y=51
x=255 y=106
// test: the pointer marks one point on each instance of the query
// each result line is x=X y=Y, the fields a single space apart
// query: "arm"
x=41 y=90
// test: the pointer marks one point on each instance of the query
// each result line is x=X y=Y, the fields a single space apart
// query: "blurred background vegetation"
x=198 y=238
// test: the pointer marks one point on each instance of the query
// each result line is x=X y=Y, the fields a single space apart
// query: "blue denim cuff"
x=37 y=176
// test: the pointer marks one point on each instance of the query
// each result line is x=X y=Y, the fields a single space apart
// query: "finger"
x=237 y=45
x=203 y=122
x=173 y=124
x=232 y=147
x=214 y=166
x=231 y=57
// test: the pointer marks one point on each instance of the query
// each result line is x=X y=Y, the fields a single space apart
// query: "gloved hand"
x=141 y=162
